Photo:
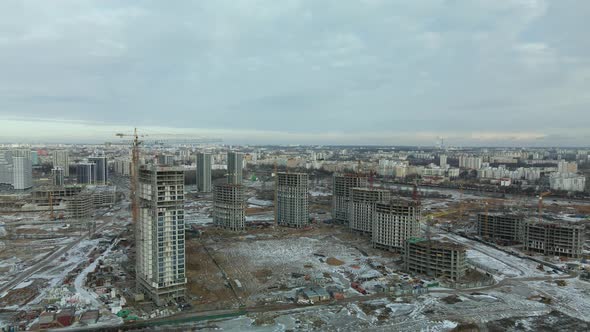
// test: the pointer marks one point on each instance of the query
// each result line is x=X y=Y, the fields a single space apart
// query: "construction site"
x=263 y=254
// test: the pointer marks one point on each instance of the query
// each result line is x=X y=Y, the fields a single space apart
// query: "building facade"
x=229 y=207
x=102 y=169
x=501 y=227
x=567 y=182
x=235 y=162
x=6 y=174
x=342 y=190
x=57 y=176
x=86 y=173
x=362 y=207
x=443 y=161
x=204 y=172
x=80 y=206
x=22 y=173
x=159 y=235
x=61 y=158
x=554 y=239
x=435 y=258
x=292 y=205
x=394 y=222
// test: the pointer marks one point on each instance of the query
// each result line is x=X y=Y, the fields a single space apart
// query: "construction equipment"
x=50 y=199
x=541 y=204
x=275 y=174
x=134 y=173
x=372 y=174
x=461 y=207
x=441 y=213
x=487 y=216
x=415 y=193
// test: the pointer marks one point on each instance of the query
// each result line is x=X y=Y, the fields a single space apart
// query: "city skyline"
x=509 y=73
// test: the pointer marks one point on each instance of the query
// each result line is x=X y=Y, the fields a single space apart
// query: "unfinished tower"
x=435 y=258
x=159 y=233
x=235 y=162
x=204 y=172
x=229 y=207
x=292 y=200
x=80 y=207
x=394 y=222
x=362 y=206
x=554 y=239
x=342 y=190
x=501 y=227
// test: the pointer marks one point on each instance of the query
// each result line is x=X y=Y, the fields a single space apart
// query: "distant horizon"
x=486 y=73
x=45 y=131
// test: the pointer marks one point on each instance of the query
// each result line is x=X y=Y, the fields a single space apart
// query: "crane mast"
x=134 y=173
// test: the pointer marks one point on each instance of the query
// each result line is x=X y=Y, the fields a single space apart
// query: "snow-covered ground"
x=572 y=299
x=87 y=295
x=259 y=202
x=316 y=193
x=506 y=264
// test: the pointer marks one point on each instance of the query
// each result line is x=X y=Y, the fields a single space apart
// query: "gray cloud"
x=302 y=66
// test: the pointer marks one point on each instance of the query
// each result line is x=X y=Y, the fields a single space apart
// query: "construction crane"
x=134 y=172
x=50 y=199
x=541 y=203
x=461 y=207
x=157 y=138
x=372 y=174
x=415 y=193
x=486 y=218
x=276 y=175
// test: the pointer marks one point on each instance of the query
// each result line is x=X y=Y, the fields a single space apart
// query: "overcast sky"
x=488 y=72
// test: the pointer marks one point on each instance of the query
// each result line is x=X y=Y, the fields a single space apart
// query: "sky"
x=385 y=72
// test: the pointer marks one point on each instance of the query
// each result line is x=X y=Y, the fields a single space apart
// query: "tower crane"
x=156 y=138
x=134 y=172
x=541 y=203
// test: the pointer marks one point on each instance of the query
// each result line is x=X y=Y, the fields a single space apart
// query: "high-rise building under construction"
x=229 y=206
x=394 y=222
x=342 y=191
x=235 y=161
x=362 y=207
x=292 y=206
x=204 y=172
x=159 y=235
